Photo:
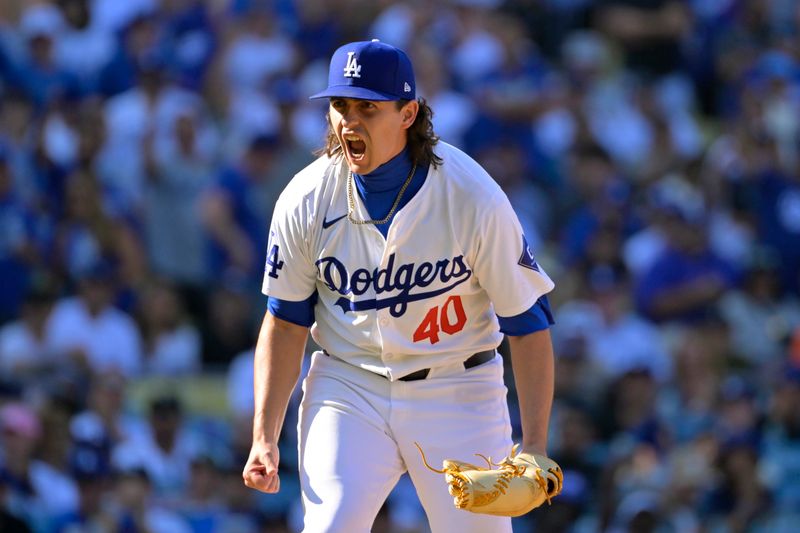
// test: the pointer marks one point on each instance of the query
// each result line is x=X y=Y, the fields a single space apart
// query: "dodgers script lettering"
x=400 y=280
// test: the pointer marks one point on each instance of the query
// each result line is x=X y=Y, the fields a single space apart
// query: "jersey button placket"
x=383 y=323
x=383 y=318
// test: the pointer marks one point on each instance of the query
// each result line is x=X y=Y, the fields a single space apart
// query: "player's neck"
x=388 y=176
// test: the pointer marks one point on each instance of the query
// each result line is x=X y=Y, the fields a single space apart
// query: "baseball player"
x=408 y=264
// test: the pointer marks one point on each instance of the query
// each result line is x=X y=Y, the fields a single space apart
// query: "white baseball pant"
x=357 y=432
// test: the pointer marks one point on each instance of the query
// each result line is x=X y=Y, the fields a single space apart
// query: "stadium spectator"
x=136 y=120
x=455 y=112
x=137 y=43
x=651 y=32
x=180 y=166
x=90 y=232
x=237 y=210
x=687 y=278
x=781 y=453
x=164 y=449
x=83 y=48
x=92 y=474
x=102 y=421
x=24 y=354
x=171 y=342
x=138 y=511
x=622 y=339
x=760 y=315
x=229 y=326
x=37 y=71
x=18 y=252
x=26 y=492
x=189 y=41
x=86 y=332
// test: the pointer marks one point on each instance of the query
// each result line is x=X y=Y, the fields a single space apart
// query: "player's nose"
x=350 y=115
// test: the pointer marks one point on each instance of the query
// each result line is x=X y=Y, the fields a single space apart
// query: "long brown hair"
x=421 y=138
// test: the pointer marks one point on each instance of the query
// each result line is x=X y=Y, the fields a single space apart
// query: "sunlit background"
x=649 y=147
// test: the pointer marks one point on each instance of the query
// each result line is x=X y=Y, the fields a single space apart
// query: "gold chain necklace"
x=352 y=204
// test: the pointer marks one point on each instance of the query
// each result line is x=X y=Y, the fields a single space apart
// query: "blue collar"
x=387 y=177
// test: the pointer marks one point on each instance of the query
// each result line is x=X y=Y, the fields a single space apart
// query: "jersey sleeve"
x=289 y=273
x=504 y=263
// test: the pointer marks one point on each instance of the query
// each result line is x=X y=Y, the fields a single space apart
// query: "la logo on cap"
x=352 y=69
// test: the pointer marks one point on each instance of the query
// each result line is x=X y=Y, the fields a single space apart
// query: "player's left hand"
x=518 y=484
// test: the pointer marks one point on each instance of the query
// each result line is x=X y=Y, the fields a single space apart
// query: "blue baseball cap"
x=370 y=70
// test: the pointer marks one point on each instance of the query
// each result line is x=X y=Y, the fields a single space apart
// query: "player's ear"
x=409 y=113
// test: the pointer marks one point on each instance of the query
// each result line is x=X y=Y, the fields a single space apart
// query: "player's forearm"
x=632 y=24
x=217 y=217
x=686 y=297
x=533 y=365
x=228 y=236
x=278 y=359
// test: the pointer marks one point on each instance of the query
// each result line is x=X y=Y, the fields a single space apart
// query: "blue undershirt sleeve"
x=537 y=318
x=300 y=313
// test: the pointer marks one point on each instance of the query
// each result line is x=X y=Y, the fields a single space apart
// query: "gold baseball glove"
x=514 y=486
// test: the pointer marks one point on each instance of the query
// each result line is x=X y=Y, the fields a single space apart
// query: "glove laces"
x=508 y=469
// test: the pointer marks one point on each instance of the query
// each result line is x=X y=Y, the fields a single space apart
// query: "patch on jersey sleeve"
x=274 y=264
x=526 y=259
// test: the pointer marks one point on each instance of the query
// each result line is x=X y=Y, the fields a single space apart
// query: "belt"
x=472 y=361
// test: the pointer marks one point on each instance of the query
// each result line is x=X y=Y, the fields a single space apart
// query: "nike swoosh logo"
x=328 y=223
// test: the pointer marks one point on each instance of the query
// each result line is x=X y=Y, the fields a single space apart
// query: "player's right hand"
x=261 y=470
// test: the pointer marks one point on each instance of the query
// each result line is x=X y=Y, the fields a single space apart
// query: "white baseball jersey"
x=424 y=296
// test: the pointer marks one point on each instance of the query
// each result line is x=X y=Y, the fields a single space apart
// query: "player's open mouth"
x=355 y=146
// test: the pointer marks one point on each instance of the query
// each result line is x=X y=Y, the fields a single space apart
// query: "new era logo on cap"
x=370 y=70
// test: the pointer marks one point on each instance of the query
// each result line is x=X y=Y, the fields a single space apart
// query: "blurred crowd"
x=651 y=149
